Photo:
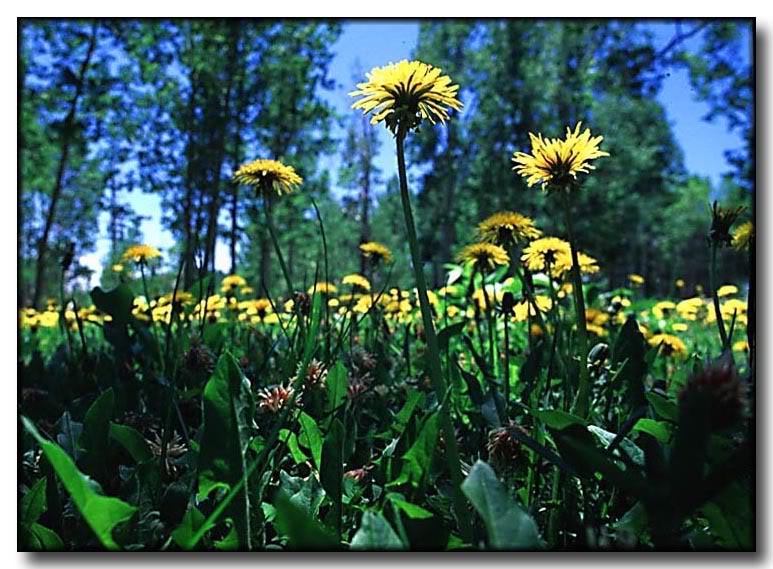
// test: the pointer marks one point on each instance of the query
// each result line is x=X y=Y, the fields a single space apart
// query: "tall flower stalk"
x=555 y=163
x=402 y=95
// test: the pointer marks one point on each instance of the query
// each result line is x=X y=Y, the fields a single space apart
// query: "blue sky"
x=366 y=44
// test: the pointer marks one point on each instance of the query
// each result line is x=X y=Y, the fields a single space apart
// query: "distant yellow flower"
x=690 y=308
x=247 y=290
x=117 y=268
x=563 y=264
x=662 y=309
x=323 y=288
x=555 y=162
x=494 y=296
x=679 y=283
x=357 y=281
x=506 y=228
x=727 y=290
x=140 y=253
x=483 y=256
x=376 y=252
x=680 y=327
x=636 y=280
x=543 y=252
x=741 y=346
x=524 y=308
x=232 y=282
x=268 y=176
x=406 y=92
x=668 y=345
x=743 y=236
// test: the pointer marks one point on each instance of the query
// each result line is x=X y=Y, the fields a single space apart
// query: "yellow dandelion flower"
x=679 y=327
x=117 y=268
x=563 y=264
x=483 y=256
x=668 y=345
x=376 y=252
x=636 y=280
x=405 y=93
x=690 y=308
x=743 y=236
x=555 y=162
x=596 y=330
x=523 y=309
x=506 y=228
x=247 y=290
x=140 y=253
x=663 y=308
x=268 y=176
x=543 y=252
x=232 y=282
x=727 y=290
x=323 y=288
x=494 y=296
x=741 y=346
x=357 y=281
x=679 y=283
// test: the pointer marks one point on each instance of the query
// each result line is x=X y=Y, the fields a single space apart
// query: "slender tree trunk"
x=67 y=132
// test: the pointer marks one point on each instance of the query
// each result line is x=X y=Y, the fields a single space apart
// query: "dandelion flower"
x=323 y=288
x=405 y=93
x=555 y=162
x=544 y=252
x=563 y=264
x=636 y=280
x=663 y=308
x=743 y=236
x=506 y=228
x=679 y=283
x=722 y=219
x=357 y=281
x=140 y=253
x=483 y=256
x=232 y=282
x=668 y=345
x=376 y=252
x=727 y=290
x=524 y=308
x=268 y=176
x=117 y=268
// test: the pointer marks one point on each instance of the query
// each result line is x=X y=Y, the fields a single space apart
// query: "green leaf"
x=227 y=413
x=302 y=531
x=411 y=510
x=331 y=473
x=40 y=538
x=658 y=429
x=444 y=336
x=33 y=504
x=306 y=494
x=191 y=523
x=508 y=526
x=631 y=449
x=131 y=439
x=418 y=460
x=557 y=419
x=102 y=513
x=117 y=302
x=663 y=407
x=336 y=386
x=730 y=518
x=415 y=398
x=291 y=440
x=375 y=534
x=311 y=437
x=95 y=439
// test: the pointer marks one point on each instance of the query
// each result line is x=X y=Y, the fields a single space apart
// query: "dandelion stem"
x=715 y=297
x=433 y=352
x=581 y=401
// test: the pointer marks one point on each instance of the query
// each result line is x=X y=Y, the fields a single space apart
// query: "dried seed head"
x=198 y=359
x=720 y=384
x=273 y=399
x=504 y=449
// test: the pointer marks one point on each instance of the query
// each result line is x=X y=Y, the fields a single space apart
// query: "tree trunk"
x=57 y=192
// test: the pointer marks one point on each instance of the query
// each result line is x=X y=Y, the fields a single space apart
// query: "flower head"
x=357 y=281
x=405 y=93
x=232 y=282
x=483 y=256
x=555 y=254
x=506 y=228
x=743 y=236
x=140 y=253
x=273 y=399
x=376 y=252
x=722 y=219
x=555 y=162
x=668 y=345
x=323 y=288
x=268 y=176
x=636 y=280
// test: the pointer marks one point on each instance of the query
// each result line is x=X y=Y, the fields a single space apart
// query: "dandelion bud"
x=504 y=449
x=508 y=304
x=722 y=220
x=302 y=303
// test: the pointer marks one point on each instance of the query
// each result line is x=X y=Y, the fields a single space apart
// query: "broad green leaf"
x=415 y=398
x=131 y=439
x=631 y=449
x=375 y=534
x=444 y=336
x=118 y=302
x=69 y=435
x=411 y=510
x=658 y=429
x=418 y=460
x=306 y=494
x=95 y=439
x=311 y=437
x=102 y=513
x=33 y=504
x=331 y=473
x=663 y=407
x=190 y=524
x=336 y=386
x=291 y=440
x=302 y=531
x=557 y=419
x=40 y=538
x=508 y=526
x=227 y=412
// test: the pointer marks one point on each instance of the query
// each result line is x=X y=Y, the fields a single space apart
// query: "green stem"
x=489 y=323
x=582 y=401
x=433 y=352
x=715 y=297
x=507 y=365
x=272 y=233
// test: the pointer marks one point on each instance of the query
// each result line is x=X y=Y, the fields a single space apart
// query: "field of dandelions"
x=519 y=407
